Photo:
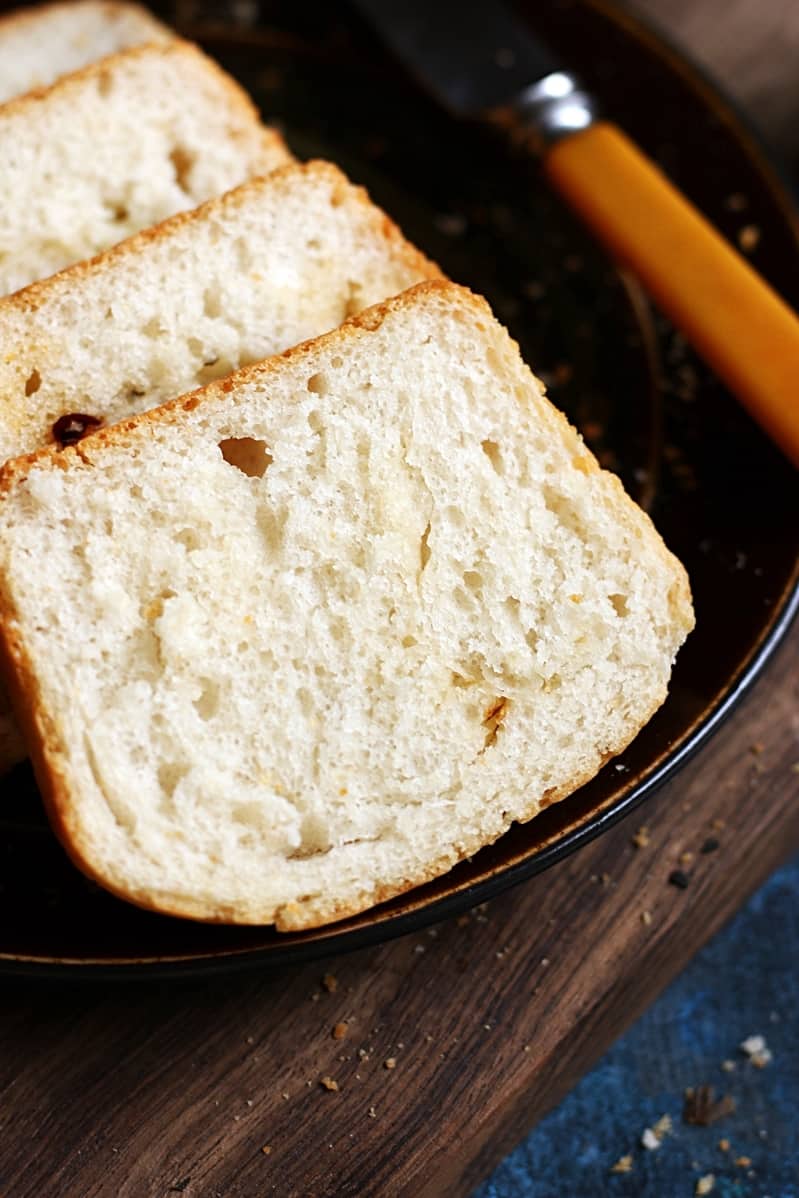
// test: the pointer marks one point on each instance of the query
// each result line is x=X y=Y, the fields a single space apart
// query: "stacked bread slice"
x=304 y=637
x=119 y=146
x=39 y=45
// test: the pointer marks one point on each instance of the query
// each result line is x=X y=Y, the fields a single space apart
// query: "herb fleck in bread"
x=251 y=273
x=297 y=642
x=116 y=147
x=38 y=45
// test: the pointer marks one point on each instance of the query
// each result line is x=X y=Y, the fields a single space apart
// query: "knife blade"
x=478 y=60
x=471 y=56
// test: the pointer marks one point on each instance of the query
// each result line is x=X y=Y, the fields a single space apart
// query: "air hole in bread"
x=318 y=384
x=462 y=681
x=620 y=604
x=195 y=347
x=152 y=329
x=313 y=243
x=424 y=549
x=120 y=212
x=354 y=301
x=182 y=161
x=314 y=838
x=249 y=814
x=215 y=368
x=170 y=773
x=553 y=683
x=155 y=608
x=247 y=454
x=314 y=421
x=491 y=450
x=532 y=639
x=492 y=719
x=33 y=382
x=207 y=704
x=408 y=642
x=473 y=581
x=212 y=303
x=337 y=362
x=188 y=538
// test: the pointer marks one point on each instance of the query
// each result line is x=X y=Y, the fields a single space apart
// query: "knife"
x=479 y=61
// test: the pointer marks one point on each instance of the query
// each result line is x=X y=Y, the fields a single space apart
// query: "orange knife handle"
x=731 y=316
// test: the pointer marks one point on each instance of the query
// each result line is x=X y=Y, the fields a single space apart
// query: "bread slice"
x=292 y=644
x=116 y=147
x=246 y=275
x=38 y=45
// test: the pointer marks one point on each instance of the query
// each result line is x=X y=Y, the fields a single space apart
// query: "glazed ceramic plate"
x=721 y=495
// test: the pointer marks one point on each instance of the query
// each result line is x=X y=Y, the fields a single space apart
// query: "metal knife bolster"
x=546 y=111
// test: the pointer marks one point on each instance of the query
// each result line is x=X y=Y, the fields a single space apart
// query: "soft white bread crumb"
x=306 y=638
x=38 y=45
x=116 y=147
x=270 y=264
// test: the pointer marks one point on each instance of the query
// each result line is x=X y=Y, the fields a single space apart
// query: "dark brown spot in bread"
x=73 y=427
x=33 y=382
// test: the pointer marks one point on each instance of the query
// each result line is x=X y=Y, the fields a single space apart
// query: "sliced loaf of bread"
x=244 y=276
x=294 y=643
x=118 y=146
x=38 y=45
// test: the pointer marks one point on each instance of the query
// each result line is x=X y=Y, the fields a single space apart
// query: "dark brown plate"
x=722 y=496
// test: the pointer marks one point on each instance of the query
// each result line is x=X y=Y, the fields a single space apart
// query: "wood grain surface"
x=440 y=1049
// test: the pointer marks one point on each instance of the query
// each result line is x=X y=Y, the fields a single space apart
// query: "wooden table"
x=452 y=1042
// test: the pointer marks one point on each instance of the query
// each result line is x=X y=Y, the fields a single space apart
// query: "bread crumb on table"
x=663 y=1126
x=339 y=1030
x=328 y=1083
x=641 y=838
x=330 y=983
x=705 y=1184
x=623 y=1165
x=390 y=1063
x=757 y=1050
